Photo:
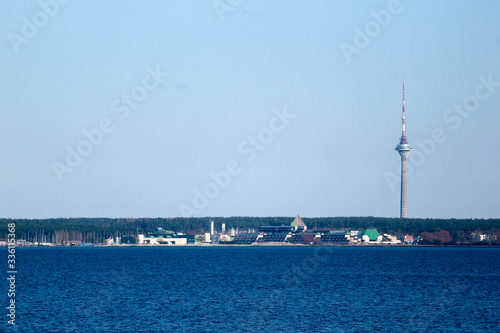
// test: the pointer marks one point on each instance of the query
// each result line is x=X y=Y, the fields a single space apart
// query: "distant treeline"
x=96 y=230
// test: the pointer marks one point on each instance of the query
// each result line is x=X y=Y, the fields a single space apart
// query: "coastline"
x=267 y=245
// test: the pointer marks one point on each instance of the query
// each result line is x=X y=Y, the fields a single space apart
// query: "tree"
x=443 y=236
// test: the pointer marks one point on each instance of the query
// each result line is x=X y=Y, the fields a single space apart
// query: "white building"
x=164 y=241
x=162 y=237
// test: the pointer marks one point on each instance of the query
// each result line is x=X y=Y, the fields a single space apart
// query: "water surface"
x=257 y=289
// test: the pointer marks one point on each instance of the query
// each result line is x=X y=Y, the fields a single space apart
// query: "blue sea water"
x=256 y=289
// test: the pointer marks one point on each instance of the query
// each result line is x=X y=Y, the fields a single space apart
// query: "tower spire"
x=403 y=132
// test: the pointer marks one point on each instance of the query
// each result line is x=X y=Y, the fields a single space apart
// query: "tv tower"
x=404 y=150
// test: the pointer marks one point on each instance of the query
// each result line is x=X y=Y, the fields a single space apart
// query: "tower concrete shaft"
x=404 y=150
x=403 y=211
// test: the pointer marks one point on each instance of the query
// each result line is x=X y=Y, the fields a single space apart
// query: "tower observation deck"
x=404 y=150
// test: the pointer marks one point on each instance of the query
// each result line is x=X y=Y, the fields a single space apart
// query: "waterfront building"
x=281 y=233
x=163 y=237
x=303 y=238
x=334 y=237
x=246 y=238
x=371 y=235
x=408 y=239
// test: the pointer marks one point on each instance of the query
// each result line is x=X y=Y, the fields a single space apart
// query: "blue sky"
x=249 y=108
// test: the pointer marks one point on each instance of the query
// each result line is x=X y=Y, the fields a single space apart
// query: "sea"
x=255 y=289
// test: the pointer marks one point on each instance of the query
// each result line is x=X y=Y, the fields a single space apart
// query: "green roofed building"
x=371 y=235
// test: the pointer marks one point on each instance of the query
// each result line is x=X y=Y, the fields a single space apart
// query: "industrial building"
x=162 y=237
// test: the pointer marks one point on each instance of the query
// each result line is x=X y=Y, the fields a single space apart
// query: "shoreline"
x=266 y=245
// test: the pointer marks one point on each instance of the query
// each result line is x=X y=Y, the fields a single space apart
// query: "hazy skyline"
x=248 y=108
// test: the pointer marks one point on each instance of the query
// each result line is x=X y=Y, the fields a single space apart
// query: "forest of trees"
x=96 y=230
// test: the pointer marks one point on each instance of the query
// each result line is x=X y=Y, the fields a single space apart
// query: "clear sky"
x=248 y=108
